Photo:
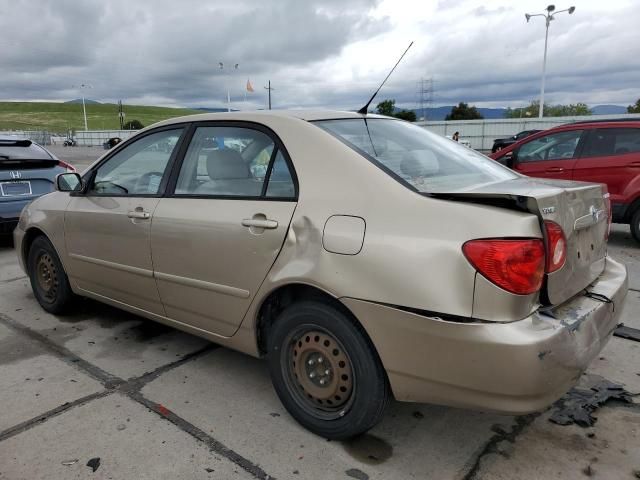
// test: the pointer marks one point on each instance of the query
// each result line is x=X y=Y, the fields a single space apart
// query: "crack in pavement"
x=130 y=388
x=8 y=280
x=522 y=421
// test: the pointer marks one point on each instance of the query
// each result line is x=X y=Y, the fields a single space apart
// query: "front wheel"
x=635 y=225
x=325 y=371
x=48 y=279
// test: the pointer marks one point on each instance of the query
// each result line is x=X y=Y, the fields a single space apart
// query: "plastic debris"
x=94 y=463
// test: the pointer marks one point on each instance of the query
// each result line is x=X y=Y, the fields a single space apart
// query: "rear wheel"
x=325 y=371
x=635 y=225
x=48 y=279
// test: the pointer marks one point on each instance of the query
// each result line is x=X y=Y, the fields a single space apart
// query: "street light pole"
x=547 y=17
x=84 y=108
x=221 y=65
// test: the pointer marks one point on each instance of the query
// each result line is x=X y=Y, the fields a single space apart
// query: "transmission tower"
x=425 y=96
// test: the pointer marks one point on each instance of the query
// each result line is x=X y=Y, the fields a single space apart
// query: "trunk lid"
x=579 y=208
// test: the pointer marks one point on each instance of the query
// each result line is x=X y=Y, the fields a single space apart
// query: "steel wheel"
x=319 y=373
x=46 y=277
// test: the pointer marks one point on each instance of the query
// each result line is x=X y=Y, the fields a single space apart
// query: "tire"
x=635 y=225
x=315 y=342
x=49 y=281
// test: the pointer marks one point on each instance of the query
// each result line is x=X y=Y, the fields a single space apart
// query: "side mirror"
x=510 y=159
x=69 y=182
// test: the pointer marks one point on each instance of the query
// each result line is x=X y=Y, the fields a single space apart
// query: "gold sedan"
x=363 y=256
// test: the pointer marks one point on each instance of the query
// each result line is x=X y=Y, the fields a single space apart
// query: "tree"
x=634 y=108
x=464 y=112
x=386 y=107
x=133 y=125
x=408 y=115
x=549 y=110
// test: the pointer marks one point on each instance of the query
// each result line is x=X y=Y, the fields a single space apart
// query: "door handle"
x=634 y=165
x=554 y=170
x=260 y=223
x=138 y=214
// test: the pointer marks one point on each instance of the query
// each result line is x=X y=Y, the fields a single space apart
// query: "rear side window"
x=234 y=162
x=556 y=146
x=606 y=142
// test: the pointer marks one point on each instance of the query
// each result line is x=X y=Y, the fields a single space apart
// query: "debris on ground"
x=70 y=462
x=628 y=333
x=578 y=405
x=94 y=463
x=209 y=470
x=357 y=474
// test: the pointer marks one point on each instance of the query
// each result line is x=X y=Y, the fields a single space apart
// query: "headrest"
x=226 y=164
x=419 y=163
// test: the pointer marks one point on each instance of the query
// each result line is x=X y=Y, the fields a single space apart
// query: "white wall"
x=98 y=137
x=482 y=133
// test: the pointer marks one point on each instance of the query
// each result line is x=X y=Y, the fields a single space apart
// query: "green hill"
x=60 y=117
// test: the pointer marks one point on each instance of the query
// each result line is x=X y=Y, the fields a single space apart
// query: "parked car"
x=500 y=143
x=111 y=142
x=27 y=170
x=598 y=151
x=371 y=258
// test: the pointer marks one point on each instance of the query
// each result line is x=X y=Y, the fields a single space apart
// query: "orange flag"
x=249 y=87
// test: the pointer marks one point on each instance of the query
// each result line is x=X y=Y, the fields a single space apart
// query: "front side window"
x=232 y=162
x=137 y=169
x=605 y=142
x=426 y=161
x=556 y=146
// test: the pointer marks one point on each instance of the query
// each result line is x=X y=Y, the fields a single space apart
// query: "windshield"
x=426 y=161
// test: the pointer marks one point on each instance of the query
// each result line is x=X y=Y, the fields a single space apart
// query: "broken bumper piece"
x=517 y=367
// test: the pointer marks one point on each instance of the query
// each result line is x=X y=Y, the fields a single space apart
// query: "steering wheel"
x=149 y=183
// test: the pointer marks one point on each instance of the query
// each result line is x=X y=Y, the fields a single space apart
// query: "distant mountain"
x=214 y=110
x=439 y=113
x=86 y=101
x=608 y=109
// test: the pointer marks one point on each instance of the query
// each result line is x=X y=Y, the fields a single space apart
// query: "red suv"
x=602 y=151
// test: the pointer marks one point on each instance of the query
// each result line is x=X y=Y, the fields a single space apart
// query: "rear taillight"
x=70 y=168
x=556 y=246
x=607 y=202
x=514 y=265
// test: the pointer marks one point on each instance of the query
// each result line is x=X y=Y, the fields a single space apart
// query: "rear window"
x=425 y=161
x=14 y=148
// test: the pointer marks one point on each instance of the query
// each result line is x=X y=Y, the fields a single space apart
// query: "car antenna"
x=363 y=110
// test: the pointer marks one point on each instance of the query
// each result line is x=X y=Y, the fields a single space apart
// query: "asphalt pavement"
x=103 y=389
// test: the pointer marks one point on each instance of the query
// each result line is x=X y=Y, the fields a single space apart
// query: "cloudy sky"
x=322 y=53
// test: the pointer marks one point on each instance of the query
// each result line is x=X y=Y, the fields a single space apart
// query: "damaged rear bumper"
x=515 y=368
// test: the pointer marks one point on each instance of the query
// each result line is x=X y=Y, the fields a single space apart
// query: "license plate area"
x=15 y=189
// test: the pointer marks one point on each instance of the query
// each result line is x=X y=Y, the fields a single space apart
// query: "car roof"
x=35 y=150
x=308 y=115
x=617 y=122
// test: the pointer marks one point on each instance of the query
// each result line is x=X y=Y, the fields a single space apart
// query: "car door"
x=216 y=235
x=549 y=156
x=611 y=156
x=107 y=226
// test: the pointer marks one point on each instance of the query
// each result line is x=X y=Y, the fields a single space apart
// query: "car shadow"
x=6 y=242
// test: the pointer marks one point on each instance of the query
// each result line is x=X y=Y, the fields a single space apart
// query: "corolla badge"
x=548 y=210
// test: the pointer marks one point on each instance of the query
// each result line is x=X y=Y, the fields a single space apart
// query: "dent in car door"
x=550 y=156
x=107 y=229
x=214 y=240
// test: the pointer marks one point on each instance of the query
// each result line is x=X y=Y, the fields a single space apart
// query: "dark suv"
x=596 y=151
x=27 y=170
x=500 y=143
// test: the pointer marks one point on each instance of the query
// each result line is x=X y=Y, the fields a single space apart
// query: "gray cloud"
x=167 y=52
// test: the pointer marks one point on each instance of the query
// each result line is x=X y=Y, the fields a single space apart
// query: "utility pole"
x=425 y=92
x=121 y=114
x=269 y=89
